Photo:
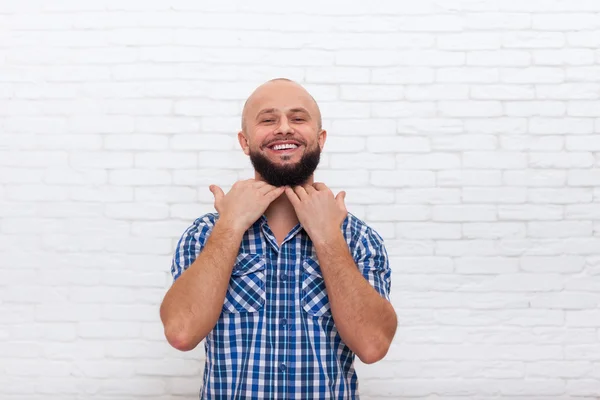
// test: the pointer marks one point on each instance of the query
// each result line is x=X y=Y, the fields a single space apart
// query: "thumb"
x=340 y=198
x=217 y=192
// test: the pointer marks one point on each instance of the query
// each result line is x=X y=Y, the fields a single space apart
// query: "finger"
x=259 y=184
x=275 y=193
x=320 y=186
x=340 y=199
x=292 y=196
x=266 y=189
x=217 y=192
x=300 y=192
x=309 y=189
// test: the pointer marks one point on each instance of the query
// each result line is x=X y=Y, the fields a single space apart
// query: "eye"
x=268 y=120
x=299 y=119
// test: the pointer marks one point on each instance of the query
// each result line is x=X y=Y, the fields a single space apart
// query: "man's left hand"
x=320 y=213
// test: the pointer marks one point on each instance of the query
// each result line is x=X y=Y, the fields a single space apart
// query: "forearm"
x=192 y=305
x=365 y=321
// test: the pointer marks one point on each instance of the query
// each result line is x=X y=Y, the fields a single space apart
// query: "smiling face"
x=281 y=132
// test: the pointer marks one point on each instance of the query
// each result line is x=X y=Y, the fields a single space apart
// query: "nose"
x=284 y=127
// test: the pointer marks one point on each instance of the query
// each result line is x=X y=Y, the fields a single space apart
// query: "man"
x=285 y=285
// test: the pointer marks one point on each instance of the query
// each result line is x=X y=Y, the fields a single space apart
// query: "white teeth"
x=284 y=146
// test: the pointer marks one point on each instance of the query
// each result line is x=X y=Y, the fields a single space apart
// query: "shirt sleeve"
x=373 y=262
x=190 y=245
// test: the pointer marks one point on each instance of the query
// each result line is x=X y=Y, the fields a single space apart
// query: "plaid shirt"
x=275 y=337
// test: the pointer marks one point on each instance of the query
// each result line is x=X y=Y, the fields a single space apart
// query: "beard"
x=286 y=175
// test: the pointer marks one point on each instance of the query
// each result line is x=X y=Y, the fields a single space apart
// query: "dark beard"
x=286 y=175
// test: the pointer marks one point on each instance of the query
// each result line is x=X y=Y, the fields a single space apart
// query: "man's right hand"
x=245 y=202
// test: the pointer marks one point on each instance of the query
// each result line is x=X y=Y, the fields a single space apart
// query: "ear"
x=244 y=142
x=321 y=139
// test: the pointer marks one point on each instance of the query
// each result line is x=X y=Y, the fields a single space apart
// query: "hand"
x=318 y=211
x=245 y=202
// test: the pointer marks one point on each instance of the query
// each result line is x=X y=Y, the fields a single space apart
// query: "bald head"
x=276 y=93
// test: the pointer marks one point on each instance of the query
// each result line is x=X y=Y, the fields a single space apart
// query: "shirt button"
x=282 y=367
x=283 y=321
x=283 y=277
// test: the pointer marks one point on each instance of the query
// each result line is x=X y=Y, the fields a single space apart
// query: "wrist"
x=326 y=238
x=230 y=227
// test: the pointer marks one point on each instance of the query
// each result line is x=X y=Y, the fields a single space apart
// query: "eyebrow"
x=272 y=110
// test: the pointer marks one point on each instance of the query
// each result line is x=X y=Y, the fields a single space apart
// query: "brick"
x=532 y=143
x=428 y=196
x=583 y=143
x=398 y=213
x=345 y=144
x=428 y=230
x=563 y=57
x=33 y=158
x=584 y=108
x=469 y=41
x=561 y=160
x=429 y=126
x=437 y=92
x=166 y=194
x=166 y=160
x=568 y=90
x=431 y=161
x=561 y=126
x=533 y=40
x=494 y=160
x=470 y=108
x=139 y=177
x=202 y=142
x=529 y=212
x=402 y=75
x=368 y=196
x=560 y=22
x=102 y=124
x=535 y=108
x=497 y=21
x=354 y=127
x=467 y=75
x=494 y=195
x=337 y=75
x=135 y=142
x=493 y=230
x=583 y=177
x=402 y=178
x=102 y=160
x=559 y=229
x=465 y=177
x=502 y=125
x=464 y=213
x=342 y=178
x=589 y=211
x=562 y=196
x=166 y=125
x=563 y=264
x=366 y=160
x=137 y=210
x=384 y=92
x=464 y=142
x=503 y=92
x=499 y=58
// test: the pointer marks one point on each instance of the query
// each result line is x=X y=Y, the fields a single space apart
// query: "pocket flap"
x=247 y=263
x=312 y=267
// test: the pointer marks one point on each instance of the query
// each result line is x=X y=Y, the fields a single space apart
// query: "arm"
x=193 y=304
x=365 y=320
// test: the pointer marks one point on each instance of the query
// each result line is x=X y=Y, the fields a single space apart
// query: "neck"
x=281 y=211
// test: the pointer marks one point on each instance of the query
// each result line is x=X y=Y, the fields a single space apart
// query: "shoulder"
x=358 y=231
x=202 y=226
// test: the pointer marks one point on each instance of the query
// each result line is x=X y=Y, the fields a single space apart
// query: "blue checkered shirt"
x=275 y=337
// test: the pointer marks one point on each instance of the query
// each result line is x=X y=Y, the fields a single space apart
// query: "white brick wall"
x=466 y=132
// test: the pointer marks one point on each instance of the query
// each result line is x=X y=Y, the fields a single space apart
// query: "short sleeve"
x=373 y=262
x=190 y=245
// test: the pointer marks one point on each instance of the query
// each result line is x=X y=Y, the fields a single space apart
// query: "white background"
x=466 y=132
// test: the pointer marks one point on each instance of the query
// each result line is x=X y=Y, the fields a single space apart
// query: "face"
x=282 y=133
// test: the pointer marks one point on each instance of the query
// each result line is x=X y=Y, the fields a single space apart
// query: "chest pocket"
x=314 y=294
x=246 y=291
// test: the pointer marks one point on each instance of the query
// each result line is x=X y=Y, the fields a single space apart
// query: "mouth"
x=284 y=147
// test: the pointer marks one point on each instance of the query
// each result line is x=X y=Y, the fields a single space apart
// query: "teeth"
x=284 y=146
